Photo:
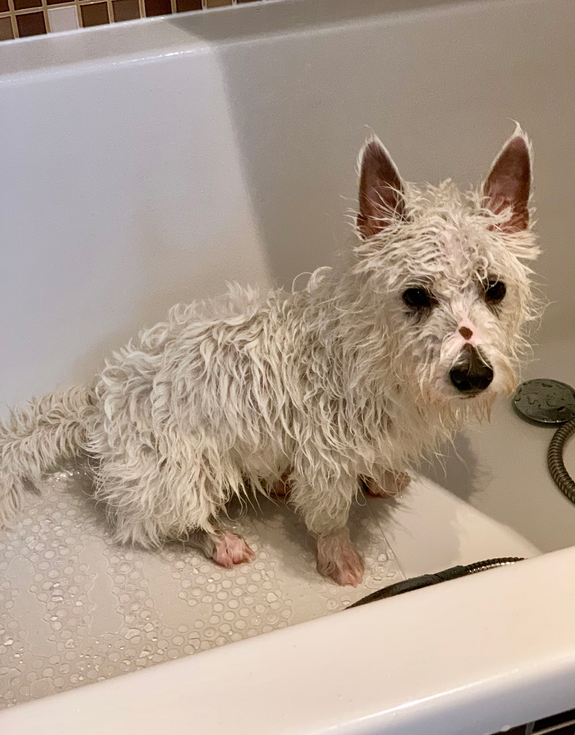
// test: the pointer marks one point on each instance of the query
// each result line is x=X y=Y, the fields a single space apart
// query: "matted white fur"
x=339 y=381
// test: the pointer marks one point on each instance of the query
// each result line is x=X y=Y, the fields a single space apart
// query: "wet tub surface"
x=76 y=608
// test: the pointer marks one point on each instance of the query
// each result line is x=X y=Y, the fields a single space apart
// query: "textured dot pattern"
x=75 y=608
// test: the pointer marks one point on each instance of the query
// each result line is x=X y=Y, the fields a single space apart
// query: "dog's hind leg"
x=225 y=548
x=150 y=502
x=324 y=501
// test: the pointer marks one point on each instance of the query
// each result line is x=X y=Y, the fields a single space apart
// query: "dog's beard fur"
x=321 y=387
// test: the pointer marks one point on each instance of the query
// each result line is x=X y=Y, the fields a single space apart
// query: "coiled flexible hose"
x=560 y=476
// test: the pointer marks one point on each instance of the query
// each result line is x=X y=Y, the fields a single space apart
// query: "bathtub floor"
x=74 y=608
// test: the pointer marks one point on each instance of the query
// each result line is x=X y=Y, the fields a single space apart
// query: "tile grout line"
x=44 y=8
x=12 y=16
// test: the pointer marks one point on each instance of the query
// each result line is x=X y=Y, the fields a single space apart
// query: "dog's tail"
x=35 y=437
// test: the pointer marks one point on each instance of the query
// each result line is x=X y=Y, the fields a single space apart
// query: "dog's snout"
x=473 y=373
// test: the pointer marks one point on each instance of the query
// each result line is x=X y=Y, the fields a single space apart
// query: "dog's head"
x=449 y=271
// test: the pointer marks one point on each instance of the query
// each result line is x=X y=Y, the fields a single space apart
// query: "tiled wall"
x=561 y=724
x=20 y=18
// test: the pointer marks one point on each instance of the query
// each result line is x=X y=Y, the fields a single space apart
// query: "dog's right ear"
x=381 y=191
x=508 y=184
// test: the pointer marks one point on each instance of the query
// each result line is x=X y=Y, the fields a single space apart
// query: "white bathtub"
x=150 y=163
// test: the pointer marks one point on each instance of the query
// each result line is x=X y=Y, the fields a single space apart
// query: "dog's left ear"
x=508 y=184
x=381 y=191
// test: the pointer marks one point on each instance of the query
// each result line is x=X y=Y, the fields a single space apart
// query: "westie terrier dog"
x=352 y=379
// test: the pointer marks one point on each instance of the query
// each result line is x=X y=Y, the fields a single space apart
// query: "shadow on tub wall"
x=458 y=469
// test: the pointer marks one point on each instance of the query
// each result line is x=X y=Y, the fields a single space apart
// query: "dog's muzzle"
x=473 y=373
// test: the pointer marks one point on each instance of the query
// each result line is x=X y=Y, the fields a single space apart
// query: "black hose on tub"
x=426 y=580
x=560 y=476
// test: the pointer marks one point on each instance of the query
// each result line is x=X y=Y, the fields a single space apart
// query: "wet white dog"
x=353 y=378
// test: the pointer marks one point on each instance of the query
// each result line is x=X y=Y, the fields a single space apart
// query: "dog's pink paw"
x=350 y=574
x=230 y=550
x=394 y=483
x=338 y=558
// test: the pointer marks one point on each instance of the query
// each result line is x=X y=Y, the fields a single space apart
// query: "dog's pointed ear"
x=508 y=184
x=381 y=191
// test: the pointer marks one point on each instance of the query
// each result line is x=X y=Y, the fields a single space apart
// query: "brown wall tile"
x=31 y=24
x=24 y=4
x=218 y=3
x=4 y=7
x=183 y=6
x=157 y=7
x=6 y=29
x=126 y=10
x=94 y=15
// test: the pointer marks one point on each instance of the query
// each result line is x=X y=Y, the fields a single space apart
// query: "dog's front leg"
x=324 y=504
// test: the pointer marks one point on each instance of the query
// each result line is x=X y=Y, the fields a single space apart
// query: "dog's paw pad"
x=349 y=574
x=230 y=550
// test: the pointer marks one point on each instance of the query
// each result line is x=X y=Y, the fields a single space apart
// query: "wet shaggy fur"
x=321 y=387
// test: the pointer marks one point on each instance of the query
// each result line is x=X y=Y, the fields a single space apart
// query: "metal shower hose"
x=560 y=476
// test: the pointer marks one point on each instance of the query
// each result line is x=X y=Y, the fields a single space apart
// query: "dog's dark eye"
x=418 y=298
x=495 y=291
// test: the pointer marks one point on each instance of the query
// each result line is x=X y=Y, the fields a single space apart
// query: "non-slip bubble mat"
x=76 y=608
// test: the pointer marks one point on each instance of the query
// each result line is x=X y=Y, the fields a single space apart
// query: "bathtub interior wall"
x=135 y=182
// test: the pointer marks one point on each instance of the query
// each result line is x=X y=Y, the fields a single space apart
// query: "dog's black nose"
x=473 y=373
